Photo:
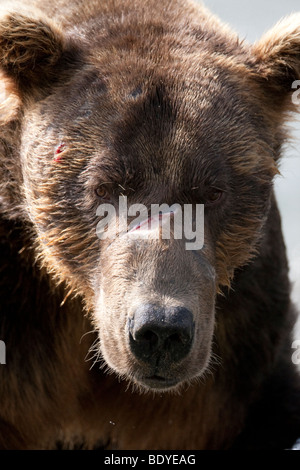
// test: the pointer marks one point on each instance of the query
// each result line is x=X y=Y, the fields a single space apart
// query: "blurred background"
x=250 y=19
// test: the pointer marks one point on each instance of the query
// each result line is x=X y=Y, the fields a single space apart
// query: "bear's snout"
x=156 y=320
x=161 y=336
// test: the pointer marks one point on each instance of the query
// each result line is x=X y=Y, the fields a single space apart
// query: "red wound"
x=58 y=151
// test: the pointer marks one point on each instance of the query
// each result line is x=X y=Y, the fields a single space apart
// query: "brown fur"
x=162 y=103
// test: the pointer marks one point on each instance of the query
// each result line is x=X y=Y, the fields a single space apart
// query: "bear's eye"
x=213 y=196
x=102 y=192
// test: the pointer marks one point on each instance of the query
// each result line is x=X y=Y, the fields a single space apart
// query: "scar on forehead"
x=58 y=152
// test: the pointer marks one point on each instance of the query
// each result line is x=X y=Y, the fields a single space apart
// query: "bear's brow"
x=118 y=176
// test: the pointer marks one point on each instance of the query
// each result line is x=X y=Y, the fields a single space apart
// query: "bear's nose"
x=161 y=333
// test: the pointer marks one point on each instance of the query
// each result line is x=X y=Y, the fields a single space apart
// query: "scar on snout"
x=58 y=152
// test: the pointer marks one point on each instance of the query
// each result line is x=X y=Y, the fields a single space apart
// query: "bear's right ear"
x=277 y=59
x=31 y=48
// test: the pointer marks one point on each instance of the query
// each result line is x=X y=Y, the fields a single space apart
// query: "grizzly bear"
x=116 y=341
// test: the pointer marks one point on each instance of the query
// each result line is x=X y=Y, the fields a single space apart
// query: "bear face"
x=173 y=123
x=149 y=164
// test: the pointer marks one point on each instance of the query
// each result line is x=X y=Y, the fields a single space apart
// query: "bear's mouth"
x=158 y=382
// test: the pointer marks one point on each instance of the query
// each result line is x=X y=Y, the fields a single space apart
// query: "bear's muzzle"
x=160 y=337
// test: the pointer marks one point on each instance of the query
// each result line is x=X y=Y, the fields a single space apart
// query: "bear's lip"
x=158 y=382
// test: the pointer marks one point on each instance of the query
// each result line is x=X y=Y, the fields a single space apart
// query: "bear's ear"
x=277 y=57
x=30 y=49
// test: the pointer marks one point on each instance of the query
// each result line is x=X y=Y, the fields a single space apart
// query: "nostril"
x=146 y=336
x=150 y=336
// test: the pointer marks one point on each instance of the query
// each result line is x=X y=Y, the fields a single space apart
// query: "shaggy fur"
x=161 y=102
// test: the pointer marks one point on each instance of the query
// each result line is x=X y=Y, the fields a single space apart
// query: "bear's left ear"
x=277 y=58
x=31 y=47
